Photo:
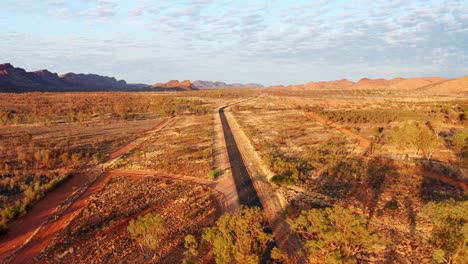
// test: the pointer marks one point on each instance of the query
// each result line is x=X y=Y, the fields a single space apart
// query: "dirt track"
x=48 y=231
x=244 y=184
x=363 y=142
x=25 y=227
x=32 y=233
x=36 y=231
x=428 y=174
x=114 y=156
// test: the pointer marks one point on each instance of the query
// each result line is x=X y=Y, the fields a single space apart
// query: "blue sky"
x=269 y=42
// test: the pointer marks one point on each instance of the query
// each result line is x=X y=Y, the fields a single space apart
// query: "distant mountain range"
x=432 y=85
x=214 y=85
x=14 y=79
x=18 y=80
x=454 y=86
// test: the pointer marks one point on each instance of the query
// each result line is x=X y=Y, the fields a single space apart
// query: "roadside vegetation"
x=397 y=196
x=316 y=165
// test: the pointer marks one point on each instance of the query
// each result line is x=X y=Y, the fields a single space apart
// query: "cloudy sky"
x=269 y=42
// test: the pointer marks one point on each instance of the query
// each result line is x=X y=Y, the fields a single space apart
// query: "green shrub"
x=335 y=235
x=213 y=174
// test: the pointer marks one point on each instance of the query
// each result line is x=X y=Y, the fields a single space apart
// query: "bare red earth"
x=32 y=233
x=46 y=234
x=23 y=228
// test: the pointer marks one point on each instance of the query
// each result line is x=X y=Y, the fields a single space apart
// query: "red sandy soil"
x=30 y=234
x=48 y=231
x=36 y=233
x=23 y=228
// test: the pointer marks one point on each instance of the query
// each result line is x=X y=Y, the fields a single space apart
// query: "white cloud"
x=206 y=34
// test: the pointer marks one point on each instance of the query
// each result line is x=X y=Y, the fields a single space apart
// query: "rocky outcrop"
x=49 y=79
x=18 y=80
x=397 y=83
x=93 y=81
x=340 y=84
x=173 y=85
x=11 y=77
x=214 y=85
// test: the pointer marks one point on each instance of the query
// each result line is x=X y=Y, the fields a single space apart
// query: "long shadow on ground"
x=245 y=189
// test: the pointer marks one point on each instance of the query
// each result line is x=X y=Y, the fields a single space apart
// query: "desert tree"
x=76 y=158
x=449 y=235
x=191 y=250
x=417 y=137
x=239 y=237
x=460 y=142
x=335 y=235
x=148 y=231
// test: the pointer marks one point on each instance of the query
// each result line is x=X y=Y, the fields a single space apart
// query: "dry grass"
x=183 y=147
x=391 y=196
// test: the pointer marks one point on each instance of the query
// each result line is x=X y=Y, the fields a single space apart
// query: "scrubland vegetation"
x=317 y=165
x=46 y=136
x=373 y=178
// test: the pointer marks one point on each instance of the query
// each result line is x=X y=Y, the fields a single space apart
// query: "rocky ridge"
x=367 y=84
x=14 y=79
x=214 y=85
x=173 y=85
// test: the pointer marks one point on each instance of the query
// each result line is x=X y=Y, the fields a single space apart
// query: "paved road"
x=245 y=189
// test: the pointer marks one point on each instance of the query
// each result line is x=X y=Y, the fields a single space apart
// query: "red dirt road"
x=363 y=142
x=32 y=233
x=428 y=174
x=46 y=234
x=24 y=228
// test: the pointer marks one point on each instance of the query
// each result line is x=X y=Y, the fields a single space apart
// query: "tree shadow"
x=358 y=178
x=433 y=190
x=411 y=214
x=376 y=175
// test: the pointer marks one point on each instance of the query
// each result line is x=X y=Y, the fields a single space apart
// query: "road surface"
x=245 y=189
